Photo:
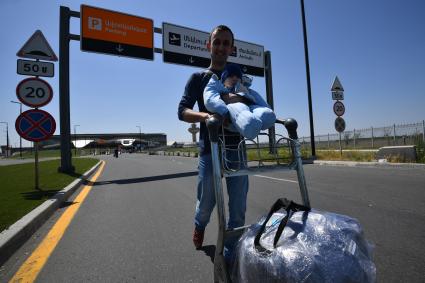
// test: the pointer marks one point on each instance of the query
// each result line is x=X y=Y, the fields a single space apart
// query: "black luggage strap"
x=289 y=207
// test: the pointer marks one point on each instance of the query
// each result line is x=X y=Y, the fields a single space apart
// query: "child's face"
x=231 y=81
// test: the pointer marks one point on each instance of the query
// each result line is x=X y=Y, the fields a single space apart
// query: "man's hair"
x=221 y=28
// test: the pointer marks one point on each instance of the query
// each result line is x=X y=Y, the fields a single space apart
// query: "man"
x=220 y=46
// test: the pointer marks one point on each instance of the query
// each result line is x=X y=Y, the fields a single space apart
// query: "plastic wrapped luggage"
x=303 y=245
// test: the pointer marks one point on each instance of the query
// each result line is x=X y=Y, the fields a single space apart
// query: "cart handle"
x=215 y=121
x=291 y=126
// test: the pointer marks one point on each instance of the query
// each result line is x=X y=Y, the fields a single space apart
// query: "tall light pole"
x=140 y=137
x=20 y=138
x=75 y=138
x=307 y=69
x=7 y=138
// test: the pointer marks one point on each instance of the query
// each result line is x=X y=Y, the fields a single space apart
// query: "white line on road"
x=277 y=179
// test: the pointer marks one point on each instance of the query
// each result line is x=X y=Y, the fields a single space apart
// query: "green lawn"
x=17 y=193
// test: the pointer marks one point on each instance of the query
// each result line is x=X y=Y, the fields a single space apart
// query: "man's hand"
x=230 y=98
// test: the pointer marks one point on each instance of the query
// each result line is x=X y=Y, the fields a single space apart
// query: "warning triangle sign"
x=37 y=47
x=337 y=86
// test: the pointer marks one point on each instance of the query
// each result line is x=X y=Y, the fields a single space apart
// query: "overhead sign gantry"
x=116 y=33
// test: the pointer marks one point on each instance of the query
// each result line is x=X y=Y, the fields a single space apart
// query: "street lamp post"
x=307 y=67
x=20 y=138
x=75 y=138
x=7 y=138
x=140 y=137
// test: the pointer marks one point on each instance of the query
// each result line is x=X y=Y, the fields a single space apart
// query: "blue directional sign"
x=35 y=125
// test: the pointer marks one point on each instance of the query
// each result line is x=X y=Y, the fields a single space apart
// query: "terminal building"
x=106 y=142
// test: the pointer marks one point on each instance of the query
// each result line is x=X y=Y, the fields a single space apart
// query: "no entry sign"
x=35 y=125
x=34 y=92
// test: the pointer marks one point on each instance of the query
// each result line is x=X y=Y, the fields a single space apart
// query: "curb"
x=367 y=164
x=18 y=233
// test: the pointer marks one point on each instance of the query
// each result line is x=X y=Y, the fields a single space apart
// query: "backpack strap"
x=206 y=76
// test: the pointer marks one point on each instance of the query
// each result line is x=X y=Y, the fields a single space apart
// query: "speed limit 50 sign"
x=35 y=68
x=34 y=92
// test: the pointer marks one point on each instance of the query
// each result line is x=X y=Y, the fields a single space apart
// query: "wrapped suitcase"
x=303 y=245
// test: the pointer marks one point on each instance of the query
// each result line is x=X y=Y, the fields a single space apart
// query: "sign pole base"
x=37 y=186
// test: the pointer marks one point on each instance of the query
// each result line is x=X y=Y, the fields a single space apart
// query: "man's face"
x=220 y=46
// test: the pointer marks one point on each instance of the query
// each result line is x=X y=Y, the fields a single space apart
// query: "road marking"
x=277 y=179
x=32 y=266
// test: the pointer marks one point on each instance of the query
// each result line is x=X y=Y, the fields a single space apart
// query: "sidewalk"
x=365 y=164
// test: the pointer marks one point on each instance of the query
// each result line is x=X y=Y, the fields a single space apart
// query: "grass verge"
x=17 y=194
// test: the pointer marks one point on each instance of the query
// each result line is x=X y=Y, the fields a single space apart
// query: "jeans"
x=237 y=189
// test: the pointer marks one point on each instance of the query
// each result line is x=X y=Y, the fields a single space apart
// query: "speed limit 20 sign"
x=339 y=108
x=34 y=92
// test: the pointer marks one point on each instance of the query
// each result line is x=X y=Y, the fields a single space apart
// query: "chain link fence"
x=371 y=138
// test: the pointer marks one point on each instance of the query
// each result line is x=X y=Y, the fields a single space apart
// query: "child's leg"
x=265 y=115
x=243 y=119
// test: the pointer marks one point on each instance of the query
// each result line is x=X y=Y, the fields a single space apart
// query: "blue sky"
x=375 y=47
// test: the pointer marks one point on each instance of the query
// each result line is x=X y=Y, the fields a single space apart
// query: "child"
x=248 y=118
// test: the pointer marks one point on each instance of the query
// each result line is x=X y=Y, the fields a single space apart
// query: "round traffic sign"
x=339 y=108
x=34 y=92
x=35 y=125
x=339 y=124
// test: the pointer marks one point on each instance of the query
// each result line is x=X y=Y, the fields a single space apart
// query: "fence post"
x=372 y=139
x=354 y=137
x=394 y=134
x=423 y=130
x=329 y=146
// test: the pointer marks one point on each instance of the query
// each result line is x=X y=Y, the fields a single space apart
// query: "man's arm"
x=191 y=116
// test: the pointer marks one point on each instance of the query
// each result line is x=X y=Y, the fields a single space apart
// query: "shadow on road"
x=147 y=179
x=37 y=195
x=209 y=251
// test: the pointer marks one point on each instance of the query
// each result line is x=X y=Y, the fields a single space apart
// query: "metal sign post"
x=37 y=183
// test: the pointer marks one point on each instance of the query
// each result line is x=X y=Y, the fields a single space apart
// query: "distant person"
x=248 y=117
x=220 y=46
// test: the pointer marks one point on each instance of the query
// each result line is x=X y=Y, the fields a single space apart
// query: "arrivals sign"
x=116 y=33
x=186 y=46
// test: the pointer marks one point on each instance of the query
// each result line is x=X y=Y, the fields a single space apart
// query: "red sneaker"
x=198 y=238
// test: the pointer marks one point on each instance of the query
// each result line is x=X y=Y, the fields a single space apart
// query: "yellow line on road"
x=32 y=266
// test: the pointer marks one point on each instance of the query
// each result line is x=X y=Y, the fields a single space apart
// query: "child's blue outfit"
x=247 y=119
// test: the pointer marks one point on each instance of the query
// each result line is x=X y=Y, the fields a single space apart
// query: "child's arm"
x=259 y=100
x=212 y=99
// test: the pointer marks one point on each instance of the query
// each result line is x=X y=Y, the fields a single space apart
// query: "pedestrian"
x=248 y=117
x=220 y=46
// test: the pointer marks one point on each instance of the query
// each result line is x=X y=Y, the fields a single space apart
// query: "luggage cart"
x=223 y=167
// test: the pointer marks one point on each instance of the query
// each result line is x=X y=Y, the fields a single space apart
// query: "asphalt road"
x=136 y=224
